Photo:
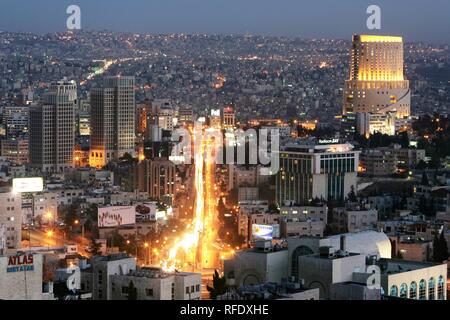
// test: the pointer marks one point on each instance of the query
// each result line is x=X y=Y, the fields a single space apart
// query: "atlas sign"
x=20 y=263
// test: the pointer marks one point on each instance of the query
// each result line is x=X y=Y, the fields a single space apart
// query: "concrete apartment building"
x=10 y=221
x=355 y=219
x=155 y=284
x=103 y=267
x=21 y=277
x=303 y=221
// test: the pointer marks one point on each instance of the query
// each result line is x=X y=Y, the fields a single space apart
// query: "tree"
x=116 y=240
x=443 y=247
x=424 y=181
x=273 y=208
x=404 y=140
x=96 y=248
x=422 y=165
x=219 y=286
x=440 y=248
x=132 y=291
x=352 y=195
x=399 y=255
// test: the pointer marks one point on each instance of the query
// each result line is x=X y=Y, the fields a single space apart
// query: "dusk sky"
x=416 y=20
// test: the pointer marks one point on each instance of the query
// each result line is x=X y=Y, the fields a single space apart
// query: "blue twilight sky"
x=416 y=20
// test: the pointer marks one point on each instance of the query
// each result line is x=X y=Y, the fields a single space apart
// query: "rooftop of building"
x=157 y=273
x=339 y=254
x=351 y=283
x=275 y=289
x=393 y=266
x=318 y=146
x=112 y=257
x=264 y=247
x=377 y=38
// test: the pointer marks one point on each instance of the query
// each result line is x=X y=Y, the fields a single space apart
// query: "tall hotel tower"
x=377 y=84
x=52 y=128
x=112 y=120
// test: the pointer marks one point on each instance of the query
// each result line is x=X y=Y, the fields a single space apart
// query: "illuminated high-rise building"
x=157 y=177
x=52 y=128
x=228 y=118
x=112 y=120
x=377 y=83
x=325 y=170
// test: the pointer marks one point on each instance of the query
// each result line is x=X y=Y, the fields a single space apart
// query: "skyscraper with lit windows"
x=52 y=128
x=112 y=120
x=377 y=83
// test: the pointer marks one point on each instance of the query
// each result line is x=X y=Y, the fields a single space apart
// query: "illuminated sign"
x=21 y=185
x=262 y=232
x=116 y=216
x=20 y=263
x=329 y=141
x=161 y=215
x=215 y=112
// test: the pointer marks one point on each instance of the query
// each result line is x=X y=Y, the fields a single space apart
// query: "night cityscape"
x=231 y=163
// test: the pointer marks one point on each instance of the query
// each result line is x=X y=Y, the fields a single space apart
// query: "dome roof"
x=365 y=242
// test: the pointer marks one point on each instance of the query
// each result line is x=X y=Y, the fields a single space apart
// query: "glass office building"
x=325 y=170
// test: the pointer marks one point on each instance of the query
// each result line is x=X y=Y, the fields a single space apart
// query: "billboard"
x=109 y=217
x=262 y=232
x=21 y=185
x=149 y=211
x=146 y=211
x=20 y=263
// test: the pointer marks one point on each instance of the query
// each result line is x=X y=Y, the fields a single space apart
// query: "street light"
x=146 y=246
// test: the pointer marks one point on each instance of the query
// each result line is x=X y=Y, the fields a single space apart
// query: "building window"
x=173 y=291
x=149 y=292
x=187 y=290
x=413 y=290
x=404 y=291
x=100 y=277
x=431 y=289
x=125 y=290
x=422 y=290
x=197 y=288
x=440 y=289
x=394 y=291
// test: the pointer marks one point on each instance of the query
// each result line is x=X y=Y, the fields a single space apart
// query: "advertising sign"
x=109 y=217
x=262 y=232
x=146 y=211
x=28 y=185
x=20 y=263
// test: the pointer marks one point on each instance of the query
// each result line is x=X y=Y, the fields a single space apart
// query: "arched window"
x=404 y=291
x=394 y=291
x=422 y=290
x=431 y=289
x=413 y=290
x=440 y=288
